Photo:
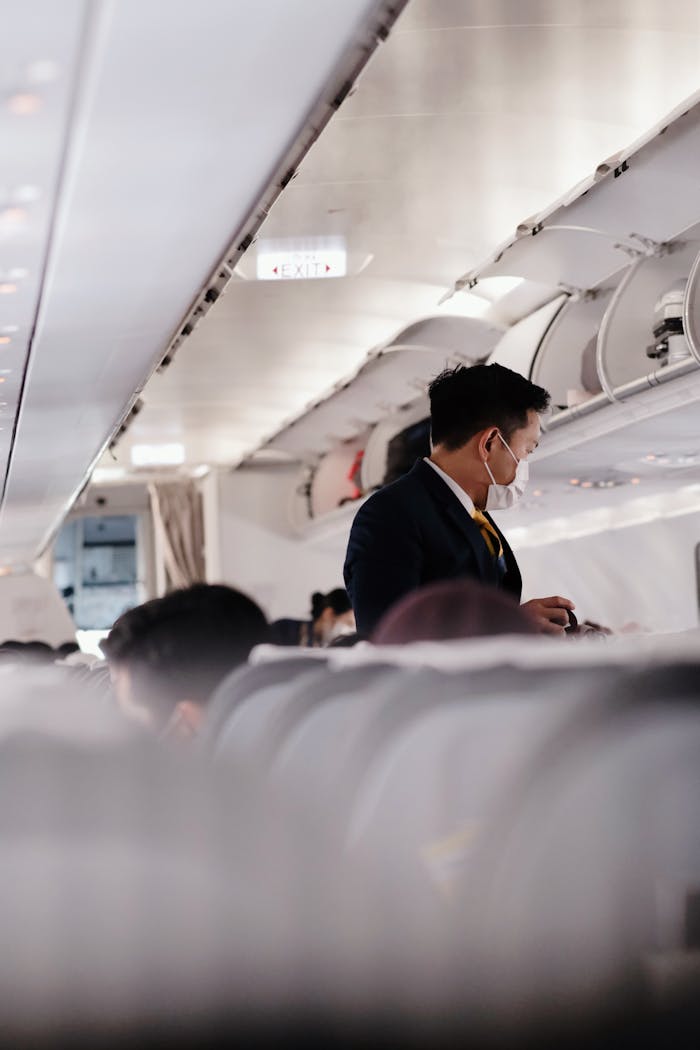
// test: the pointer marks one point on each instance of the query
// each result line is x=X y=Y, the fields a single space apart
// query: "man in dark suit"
x=433 y=523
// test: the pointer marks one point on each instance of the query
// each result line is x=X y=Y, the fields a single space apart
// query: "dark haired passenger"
x=168 y=655
x=331 y=618
x=433 y=523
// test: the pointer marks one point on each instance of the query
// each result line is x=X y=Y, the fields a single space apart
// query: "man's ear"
x=486 y=440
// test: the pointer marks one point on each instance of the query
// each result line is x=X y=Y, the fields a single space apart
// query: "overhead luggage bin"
x=691 y=309
x=569 y=258
x=389 y=379
x=652 y=190
x=627 y=349
x=633 y=203
x=566 y=361
x=375 y=460
x=519 y=346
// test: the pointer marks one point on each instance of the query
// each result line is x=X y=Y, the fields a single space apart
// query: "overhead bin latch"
x=648 y=248
x=578 y=295
x=467 y=281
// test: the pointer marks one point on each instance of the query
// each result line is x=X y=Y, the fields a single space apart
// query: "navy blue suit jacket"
x=412 y=532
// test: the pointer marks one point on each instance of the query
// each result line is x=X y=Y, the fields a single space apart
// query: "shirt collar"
x=463 y=497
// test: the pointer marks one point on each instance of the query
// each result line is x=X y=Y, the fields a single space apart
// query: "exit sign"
x=304 y=264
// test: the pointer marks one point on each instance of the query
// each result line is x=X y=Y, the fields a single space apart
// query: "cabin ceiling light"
x=598 y=483
x=100 y=475
x=671 y=459
x=7 y=288
x=4 y=340
x=24 y=104
x=167 y=455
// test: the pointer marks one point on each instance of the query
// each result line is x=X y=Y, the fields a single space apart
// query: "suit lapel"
x=461 y=518
x=512 y=581
x=472 y=533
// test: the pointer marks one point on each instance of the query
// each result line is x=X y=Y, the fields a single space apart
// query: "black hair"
x=466 y=400
x=12 y=650
x=337 y=600
x=182 y=645
x=66 y=648
x=318 y=605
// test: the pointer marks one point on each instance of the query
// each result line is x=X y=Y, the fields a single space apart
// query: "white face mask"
x=502 y=497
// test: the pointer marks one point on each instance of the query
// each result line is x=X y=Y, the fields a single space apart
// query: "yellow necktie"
x=491 y=537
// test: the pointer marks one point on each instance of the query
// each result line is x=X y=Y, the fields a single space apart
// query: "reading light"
x=7 y=288
x=4 y=340
x=170 y=455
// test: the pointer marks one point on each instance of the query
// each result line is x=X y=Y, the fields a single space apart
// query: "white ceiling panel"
x=183 y=114
x=473 y=115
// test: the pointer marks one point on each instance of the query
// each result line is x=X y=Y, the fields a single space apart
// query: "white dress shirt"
x=463 y=497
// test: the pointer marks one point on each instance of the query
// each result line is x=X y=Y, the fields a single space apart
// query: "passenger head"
x=451 y=609
x=168 y=655
x=331 y=615
x=12 y=651
x=483 y=421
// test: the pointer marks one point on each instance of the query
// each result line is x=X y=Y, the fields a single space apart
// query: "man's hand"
x=549 y=614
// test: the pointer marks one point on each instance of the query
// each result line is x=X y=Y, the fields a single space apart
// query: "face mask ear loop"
x=515 y=458
x=493 y=480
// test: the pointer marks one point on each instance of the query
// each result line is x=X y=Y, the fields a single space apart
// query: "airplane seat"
x=580 y=902
x=241 y=683
x=313 y=754
x=259 y=725
x=427 y=775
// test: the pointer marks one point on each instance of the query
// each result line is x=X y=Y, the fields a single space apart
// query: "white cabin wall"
x=643 y=573
x=251 y=544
